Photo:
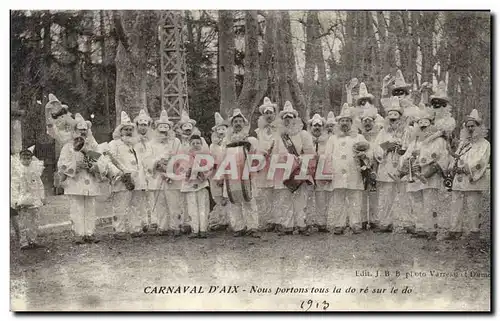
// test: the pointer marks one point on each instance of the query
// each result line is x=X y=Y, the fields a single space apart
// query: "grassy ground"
x=112 y=275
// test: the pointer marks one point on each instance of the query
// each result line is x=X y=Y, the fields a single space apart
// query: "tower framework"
x=174 y=93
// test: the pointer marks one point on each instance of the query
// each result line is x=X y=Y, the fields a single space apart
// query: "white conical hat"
x=317 y=119
x=330 y=118
x=267 y=104
x=345 y=112
x=32 y=148
x=53 y=98
x=219 y=121
x=164 y=118
x=370 y=112
x=288 y=109
x=412 y=111
x=53 y=102
x=142 y=118
x=474 y=115
x=440 y=92
x=80 y=123
x=64 y=106
x=425 y=112
x=393 y=106
x=400 y=82
x=237 y=112
x=363 y=93
x=185 y=119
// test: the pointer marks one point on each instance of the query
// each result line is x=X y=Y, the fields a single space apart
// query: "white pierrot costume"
x=423 y=194
x=392 y=197
x=319 y=197
x=186 y=122
x=347 y=181
x=129 y=206
x=61 y=129
x=472 y=179
x=264 y=188
x=80 y=184
x=166 y=207
x=27 y=195
x=399 y=83
x=443 y=121
x=219 y=215
x=245 y=214
x=292 y=205
x=330 y=121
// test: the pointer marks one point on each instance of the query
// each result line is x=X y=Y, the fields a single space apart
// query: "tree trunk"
x=107 y=118
x=426 y=29
x=130 y=95
x=249 y=89
x=226 y=63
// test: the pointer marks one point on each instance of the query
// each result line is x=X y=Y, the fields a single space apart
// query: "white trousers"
x=317 y=207
x=243 y=215
x=150 y=201
x=129 y=211
x=264 y=199
x=290 y=208
x=82 y=214
x=28 y=225
x=345 y=203
x=393 y=205
x=219 y=215
x=198 y=207
x=369 y=207
x=424 y=204
x=465 y=211
x=165 y=209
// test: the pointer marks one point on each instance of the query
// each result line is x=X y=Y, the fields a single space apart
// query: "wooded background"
x=98 y=62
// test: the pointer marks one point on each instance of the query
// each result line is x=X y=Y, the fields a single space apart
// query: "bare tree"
x=226 y=62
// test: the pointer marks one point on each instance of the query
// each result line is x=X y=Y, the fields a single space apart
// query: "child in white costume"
x=27 y=195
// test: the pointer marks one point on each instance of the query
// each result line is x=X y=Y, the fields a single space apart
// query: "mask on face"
x=163 y=128
x=424 y=123
x=221 y=131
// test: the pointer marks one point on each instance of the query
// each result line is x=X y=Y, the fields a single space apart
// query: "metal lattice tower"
x=174 y=93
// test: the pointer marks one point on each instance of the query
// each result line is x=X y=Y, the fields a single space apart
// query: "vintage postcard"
x=259 y=160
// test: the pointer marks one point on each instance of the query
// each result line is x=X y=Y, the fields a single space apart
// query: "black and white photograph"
x=250 y=160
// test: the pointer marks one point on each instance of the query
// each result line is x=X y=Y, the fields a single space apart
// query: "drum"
x=238 y=190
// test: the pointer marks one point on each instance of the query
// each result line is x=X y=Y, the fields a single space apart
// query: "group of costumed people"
x=376 y=173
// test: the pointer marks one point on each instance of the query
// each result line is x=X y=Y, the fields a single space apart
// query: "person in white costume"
x=243 y=214
x=471 y=177
x=27 y=195
x=321 y=192
x=392 y=196
x=330 y=123
x=370 y=130
x=128 y=197
x=194 y=188
x=424 y=162
x=218 y=217
x=266 y=130
x=144 y=151
x=291 y=142
x=80 y=181
x=347 y=180
x=166 y=207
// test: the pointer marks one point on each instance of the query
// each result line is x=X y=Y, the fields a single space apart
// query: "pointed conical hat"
x=237 y=112
x=80 y=123
x=317 y=119
x=164 y=118
x=370 y=112
x=363 y=93
x=474 y=115
x=142 y=118
x=394 y=106
x=288 y=109
x=425 y=112
x=219 y=121
x=345 y=112
x=330 y=118
x=440 y=92
x=185 y=119
x=400 y=82
x=267 y=104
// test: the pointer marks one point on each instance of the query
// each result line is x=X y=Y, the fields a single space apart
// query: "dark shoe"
x=193 y=236
x=202 y=235
x=323 y=229
x=186 y=229
x=421 y=235
x=177 y=233
x=364 y=225
x=79 y=240
x=121 y=236
x=410 y=229
x=269 y=227
x=25 y=247
x=254 y=234
x=239 y=233
x=338 y=230
x=145 y=228
x=356 y=230
x=285 y=232
x=381 y=229
x=92 y=239
x=136 y=234
x=153 y=226
x=432 y=236
x=304 y=231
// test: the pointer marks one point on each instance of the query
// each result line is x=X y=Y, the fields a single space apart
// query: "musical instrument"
x=239 y=191
x=449 y=176
x=365 y=165
x=292 y=183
